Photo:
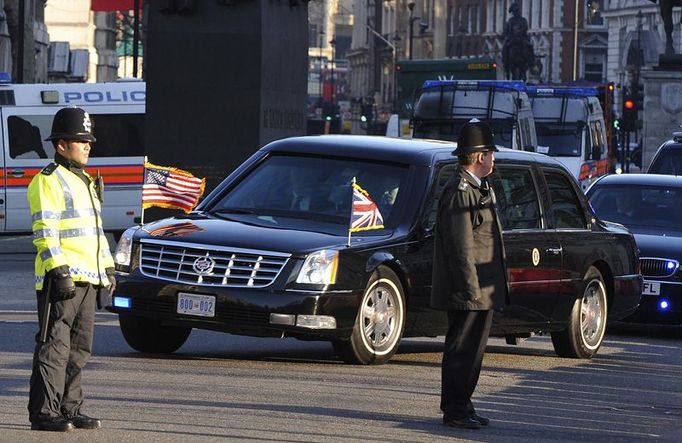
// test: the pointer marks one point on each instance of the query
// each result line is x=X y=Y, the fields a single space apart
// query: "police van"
x=443 y=106
x=570 y=127
x=117 y=112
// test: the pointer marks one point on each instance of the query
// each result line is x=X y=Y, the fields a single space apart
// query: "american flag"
x=365 y=214
x=170 y=188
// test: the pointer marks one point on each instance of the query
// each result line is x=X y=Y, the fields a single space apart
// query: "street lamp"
x=332 y=42
x=410 y=6
x=320 y=78
x=393 y=58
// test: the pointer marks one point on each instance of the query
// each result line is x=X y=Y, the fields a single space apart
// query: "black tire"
x=149 y=336
x=379 y=324
x=587 y=324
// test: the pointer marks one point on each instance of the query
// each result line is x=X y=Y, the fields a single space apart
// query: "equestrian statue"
x=666 y=7
x=517 y=50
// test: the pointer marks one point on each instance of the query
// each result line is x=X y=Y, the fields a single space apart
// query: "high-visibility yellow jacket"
x=67 y=226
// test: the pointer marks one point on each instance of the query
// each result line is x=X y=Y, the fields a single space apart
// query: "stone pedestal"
x=223 y=78
x=662 y=108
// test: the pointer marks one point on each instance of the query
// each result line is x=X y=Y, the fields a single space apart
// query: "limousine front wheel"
x=379 y=324
x=147 y=335
x=587 y=323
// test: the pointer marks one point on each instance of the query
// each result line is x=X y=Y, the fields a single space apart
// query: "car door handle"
x=555 y=251
x=17 y=173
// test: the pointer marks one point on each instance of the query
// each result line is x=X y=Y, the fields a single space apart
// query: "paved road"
x=220 y=387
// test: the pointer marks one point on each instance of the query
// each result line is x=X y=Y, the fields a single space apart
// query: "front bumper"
x=664 y=308
x=244 y=311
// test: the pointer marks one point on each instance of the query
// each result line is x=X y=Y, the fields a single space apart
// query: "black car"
x=254 y=260
x=668 y=157
x=650 y=206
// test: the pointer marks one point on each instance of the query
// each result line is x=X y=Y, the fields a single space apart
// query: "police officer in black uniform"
x=468 y=268
x=73 y=268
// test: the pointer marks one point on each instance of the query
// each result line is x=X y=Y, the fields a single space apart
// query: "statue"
x=666 y=7
x=517 y=50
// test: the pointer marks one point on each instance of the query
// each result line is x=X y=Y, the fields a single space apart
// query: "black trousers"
x=56 y=378
x=462 y=357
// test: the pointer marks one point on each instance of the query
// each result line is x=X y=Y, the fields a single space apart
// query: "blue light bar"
x=122 y=302
x=5 y=77
x=558 y=91
x=515 y=85
x=663 y=304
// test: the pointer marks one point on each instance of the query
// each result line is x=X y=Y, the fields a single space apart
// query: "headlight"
x=125 y=247
x=319 y=268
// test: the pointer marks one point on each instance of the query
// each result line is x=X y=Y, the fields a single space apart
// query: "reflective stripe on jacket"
x=67 y=227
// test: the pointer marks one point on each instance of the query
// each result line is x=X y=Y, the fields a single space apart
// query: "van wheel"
x=587 y=324
x=149 y=336
x=379 y=324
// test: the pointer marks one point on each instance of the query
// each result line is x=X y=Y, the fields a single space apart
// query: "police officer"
x=468 y=268
x=73 y=261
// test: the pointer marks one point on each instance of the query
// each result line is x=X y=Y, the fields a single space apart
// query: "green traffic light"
x=363 y=118
x=616 y=124
x=328 y=118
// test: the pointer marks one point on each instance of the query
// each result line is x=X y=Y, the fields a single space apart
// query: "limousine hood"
x=660 y=246
x=267 y=234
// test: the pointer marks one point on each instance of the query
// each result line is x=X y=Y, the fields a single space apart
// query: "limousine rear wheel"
x=379 y=324
x=587 y=323
x=147 y=335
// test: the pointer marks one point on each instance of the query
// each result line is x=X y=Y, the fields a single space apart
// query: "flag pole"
x=144 y=169
x=351 y=209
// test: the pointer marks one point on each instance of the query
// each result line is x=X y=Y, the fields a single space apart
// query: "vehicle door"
x=25 y=155
x=3 y=179
x=568 y=218
x=533 y=252
x=117 y=155
x=429 y=321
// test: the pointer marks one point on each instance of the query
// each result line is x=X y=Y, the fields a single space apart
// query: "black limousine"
x=268 y=253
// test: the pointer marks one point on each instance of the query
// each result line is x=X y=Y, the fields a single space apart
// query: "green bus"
x=411 y=75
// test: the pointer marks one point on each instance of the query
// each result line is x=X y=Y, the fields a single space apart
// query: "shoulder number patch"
x=462 y=184
x=49 y=169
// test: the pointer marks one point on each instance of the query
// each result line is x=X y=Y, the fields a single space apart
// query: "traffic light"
x=637 y=91
x=628 y=120
x=366 y=113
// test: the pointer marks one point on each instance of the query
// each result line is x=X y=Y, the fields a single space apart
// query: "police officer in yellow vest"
x=73 y=262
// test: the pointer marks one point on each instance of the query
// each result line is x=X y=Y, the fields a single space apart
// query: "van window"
x=118 y=135
x=517 y=198
x=597 y=142
x=566 y=208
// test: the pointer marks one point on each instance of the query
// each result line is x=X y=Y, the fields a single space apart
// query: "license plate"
x=651 y=288
x=193 y=304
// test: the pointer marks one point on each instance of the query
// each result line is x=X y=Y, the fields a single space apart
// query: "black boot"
x=81 y=421
x=56 y=424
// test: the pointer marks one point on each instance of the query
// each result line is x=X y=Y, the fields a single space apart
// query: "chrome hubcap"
x=592 y=313
x=379 y=316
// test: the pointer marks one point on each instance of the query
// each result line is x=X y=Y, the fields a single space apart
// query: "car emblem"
x=203 y=265
x=535 y=256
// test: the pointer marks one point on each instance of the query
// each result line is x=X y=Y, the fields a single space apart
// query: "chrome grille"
x=658 y=267
x=231 y=267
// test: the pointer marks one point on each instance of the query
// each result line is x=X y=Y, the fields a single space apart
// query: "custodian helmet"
x=475 y=136
x=514 y=7
x=71 y=124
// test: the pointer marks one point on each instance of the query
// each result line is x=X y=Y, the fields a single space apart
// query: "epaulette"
x=49 y=169
x=462 y=184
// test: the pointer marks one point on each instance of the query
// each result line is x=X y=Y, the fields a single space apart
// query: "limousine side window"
x=517 y=199
x=442 y=177
x=566 y=206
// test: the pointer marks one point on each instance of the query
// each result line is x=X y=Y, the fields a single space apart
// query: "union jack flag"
x=365 y=214
x=170 y=188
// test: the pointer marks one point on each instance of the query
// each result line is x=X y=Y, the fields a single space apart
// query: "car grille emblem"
x=203 y=265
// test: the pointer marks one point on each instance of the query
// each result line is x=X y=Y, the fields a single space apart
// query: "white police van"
x=570 y=127
x=117 y=111
x=443 y=106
